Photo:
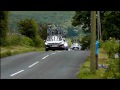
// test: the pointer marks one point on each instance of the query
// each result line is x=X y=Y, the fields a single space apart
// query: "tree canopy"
x=43 y=31
x=110 y=22
x=82 y=18
x=3 y=24
x=28 y=27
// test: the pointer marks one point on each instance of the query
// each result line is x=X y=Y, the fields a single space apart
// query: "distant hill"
x=55 y=17
x=62 y=18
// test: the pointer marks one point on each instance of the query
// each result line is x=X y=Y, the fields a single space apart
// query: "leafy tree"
x=3 y=24
x=71 y=32
x=85 y=42
x=109 y=20
x=28 y=27
x=43 y=31
x=104 y=35
x=82 y=18
x=111 y=24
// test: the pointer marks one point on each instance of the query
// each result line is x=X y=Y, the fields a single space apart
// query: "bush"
x=15 y=39
x=100 y=44
x=12 y=40
x=38 y=42
x=26 y=41
x=2 y=42
x=111 y=47
x=113 y=70
x=85 y=42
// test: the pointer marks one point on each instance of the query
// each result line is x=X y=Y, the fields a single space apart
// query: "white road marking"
x=17 y=72
x=69 y=49
x=54 y=53
x=33 y=64
x=45 y=57
x=58 y=51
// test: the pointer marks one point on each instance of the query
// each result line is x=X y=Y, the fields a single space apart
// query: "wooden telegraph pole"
x=98 y=25
x=98 y=29
x=93 y=40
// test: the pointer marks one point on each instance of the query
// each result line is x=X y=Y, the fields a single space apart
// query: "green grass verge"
x=13 y=50
x=84 y=72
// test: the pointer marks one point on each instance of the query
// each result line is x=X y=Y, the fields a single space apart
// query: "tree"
x=29 y=28
x=43 y=31
x=104 y=35
x=82 y=18
x=3 y=24
x=110 y=22
x=71 y=32
x=85 y=42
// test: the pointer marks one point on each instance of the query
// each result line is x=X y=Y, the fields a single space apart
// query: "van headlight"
x=46 y=43
x=65 y=44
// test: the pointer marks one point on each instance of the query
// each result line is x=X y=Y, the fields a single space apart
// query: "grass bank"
x=16 y=43
x=84 y=72
x=13 y=50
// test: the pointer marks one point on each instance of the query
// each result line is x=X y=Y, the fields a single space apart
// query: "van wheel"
x=46 y=49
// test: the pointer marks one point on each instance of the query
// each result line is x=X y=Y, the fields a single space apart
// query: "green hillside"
x=61 y=18
x=55 y=17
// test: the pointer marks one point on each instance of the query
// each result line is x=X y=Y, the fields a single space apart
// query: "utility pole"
x=98 y=29
x=93 y=39
x=98 y=25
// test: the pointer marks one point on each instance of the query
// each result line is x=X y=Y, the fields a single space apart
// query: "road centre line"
x=58 y=51
x=17 y=72
x=30 y=65
x=33 y=64
x=54 y=53
x=45 y=57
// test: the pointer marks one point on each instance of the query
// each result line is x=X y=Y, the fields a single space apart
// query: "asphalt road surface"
x=43 y=65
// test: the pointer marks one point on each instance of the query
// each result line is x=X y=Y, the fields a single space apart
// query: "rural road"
x=43 y=65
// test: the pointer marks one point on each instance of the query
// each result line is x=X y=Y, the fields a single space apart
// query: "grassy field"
x=85 y=73
x=12 y=50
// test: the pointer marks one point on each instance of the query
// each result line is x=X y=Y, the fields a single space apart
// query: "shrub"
x=12 y=40
x=113 y=70
x=85 y=42
x=26 y=41
x=100 y=44
x=38 y=42
x=15 y=39
x=111 y=47
x=2 y=42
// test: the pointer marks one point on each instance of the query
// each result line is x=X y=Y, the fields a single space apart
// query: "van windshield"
x=54 y=38
x=75 y=44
